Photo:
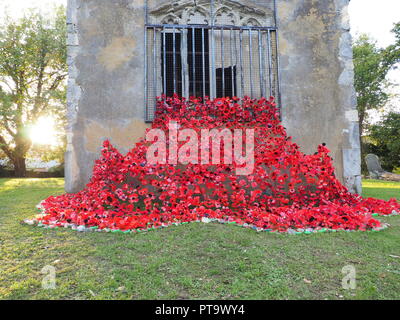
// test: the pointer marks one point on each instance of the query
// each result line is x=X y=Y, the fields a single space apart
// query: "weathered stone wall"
x=106 y=83
x=318 y=97
x=105 y=96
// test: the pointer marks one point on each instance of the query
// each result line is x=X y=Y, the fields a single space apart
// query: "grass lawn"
x=198 y=261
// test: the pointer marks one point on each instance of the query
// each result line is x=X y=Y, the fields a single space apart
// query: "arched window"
x=210 y=48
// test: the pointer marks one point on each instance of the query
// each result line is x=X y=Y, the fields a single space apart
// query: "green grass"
x=198 y=261
x=381 y=189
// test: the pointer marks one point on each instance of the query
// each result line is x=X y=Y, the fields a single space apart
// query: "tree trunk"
x=19 y=167
x=22 y=146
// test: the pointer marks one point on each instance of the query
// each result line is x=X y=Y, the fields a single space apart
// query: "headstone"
x=374 y=166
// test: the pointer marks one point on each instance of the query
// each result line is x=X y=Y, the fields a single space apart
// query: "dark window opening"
x=198 y=62
x=172 y=76
x=226 y=82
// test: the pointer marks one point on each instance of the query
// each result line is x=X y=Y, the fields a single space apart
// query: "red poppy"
x=287 y=189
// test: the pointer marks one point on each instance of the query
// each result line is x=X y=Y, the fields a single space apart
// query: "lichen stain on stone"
x=285 y=47
x=310 y=24
x=121 y=136
x=90 y=27
x=286 y=10
x=314 y=27
x=119 y=51
x=126 y=137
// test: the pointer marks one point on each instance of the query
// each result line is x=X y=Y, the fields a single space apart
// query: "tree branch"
x=6 y=148
x=7 y=127
x=39 y=86
x=37 y=111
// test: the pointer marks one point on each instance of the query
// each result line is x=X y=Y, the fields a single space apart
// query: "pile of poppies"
x=287 y=190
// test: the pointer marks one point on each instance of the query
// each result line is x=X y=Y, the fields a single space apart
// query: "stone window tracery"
x=210 y=48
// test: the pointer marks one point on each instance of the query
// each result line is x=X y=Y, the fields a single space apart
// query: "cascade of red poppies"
x=287 y=190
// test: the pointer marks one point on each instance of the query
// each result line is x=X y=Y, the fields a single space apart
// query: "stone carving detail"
x=225 y=16
x=225 y=12
x=170 y=19
x=195 y=15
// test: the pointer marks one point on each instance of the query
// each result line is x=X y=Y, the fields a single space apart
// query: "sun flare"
x=44 y=132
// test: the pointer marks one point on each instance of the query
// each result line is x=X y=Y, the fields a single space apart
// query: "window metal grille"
x=209 y=60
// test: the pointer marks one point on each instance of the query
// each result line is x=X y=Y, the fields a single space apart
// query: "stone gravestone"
x=374 y=166
x=375 y=169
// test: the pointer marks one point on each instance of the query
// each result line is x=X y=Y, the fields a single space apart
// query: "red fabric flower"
x=287 y=189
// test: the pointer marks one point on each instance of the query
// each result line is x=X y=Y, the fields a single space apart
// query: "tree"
x=371 y=66
x=33 y=70
x=391 y=55
x=385 y=140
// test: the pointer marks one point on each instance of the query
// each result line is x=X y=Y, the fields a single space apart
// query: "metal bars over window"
x=209 y=61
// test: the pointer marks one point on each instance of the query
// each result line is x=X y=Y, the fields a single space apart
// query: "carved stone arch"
x=250 y=22
x=226 y=16
x=226 y=12
x=196 y=15
x=170 y=19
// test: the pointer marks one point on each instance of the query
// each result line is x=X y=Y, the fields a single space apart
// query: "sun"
x=43 y=132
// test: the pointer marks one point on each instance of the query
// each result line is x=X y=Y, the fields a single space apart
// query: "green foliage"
x=370 y=69
x=392 y=52
x=48 y=153
x=371 y=66
x=58 y=171
x=33 y=70
x=385 y=140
